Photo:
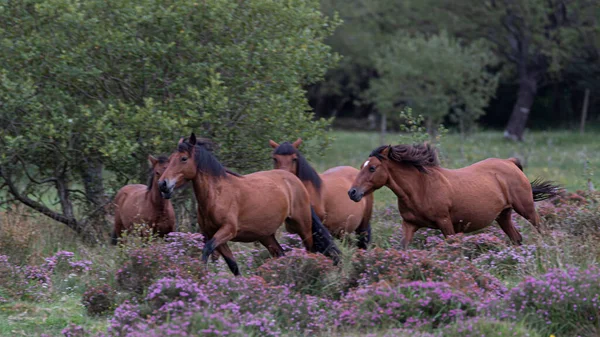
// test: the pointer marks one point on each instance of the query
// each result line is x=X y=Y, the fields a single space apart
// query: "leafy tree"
x=407 y=60
x=89 y=88
x=535 y=38
x=434 y=75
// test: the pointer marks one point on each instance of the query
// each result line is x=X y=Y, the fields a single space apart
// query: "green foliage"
x=98 y=85
x=434 y=75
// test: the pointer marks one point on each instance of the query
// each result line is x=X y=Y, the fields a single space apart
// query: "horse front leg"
x=224 y=234
x=408 y=231
x=228 y=256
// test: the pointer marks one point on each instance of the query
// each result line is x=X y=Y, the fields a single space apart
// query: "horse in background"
x=454 y=201
x=247 y=208
x=143 y=204
x=328 y=192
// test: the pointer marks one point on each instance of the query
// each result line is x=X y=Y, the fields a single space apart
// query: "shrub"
x=178 y=256
x=414 y=304
x=258 y=307
x=303 y=272
x=169 y=289
x=99 y=300
x=398 y=267
x=74 y=330
x=559 y=302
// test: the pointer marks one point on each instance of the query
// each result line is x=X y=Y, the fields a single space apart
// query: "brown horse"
x=137 y=204
x=462 y=200
x=328 y=192
x=245 y=208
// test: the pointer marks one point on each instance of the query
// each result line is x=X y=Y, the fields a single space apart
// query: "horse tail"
x=322 y=239
x=517 y=162
x=543 y=189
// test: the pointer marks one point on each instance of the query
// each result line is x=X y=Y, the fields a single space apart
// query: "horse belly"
x=475 y=219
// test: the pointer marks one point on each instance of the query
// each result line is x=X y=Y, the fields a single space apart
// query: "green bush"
x=95 y=86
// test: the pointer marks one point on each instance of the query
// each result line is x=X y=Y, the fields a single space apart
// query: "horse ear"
x=152 y=160
x=297 y=143
x=180 y=140
x=386 y=151
x=273 y=144
x=193 y=139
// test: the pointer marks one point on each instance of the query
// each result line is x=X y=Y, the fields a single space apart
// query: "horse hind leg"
x=526 y=209
x=272 y=246
x=508 y=227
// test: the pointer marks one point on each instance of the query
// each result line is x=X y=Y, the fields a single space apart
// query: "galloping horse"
x=462 y=200
x=245 y=208
x=137 y=203
x=328 y=192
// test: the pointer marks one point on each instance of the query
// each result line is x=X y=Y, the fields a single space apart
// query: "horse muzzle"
x=355 y=195
x=166 y=191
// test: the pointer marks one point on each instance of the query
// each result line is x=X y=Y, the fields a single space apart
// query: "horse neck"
x=407 y=182
x=205 y=189
x=158 y=202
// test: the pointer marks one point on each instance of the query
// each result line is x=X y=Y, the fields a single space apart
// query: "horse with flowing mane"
x=454 y=201
x=328 y=192
x=247 y=208
x=137 y=204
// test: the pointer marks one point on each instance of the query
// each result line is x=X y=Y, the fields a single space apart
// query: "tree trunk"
x=91 y=172
x=383 y=128
x=429 y=126
x=520 y=113
x=584 y=111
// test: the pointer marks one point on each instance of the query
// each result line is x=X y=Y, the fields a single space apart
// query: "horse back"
x=274 y=190
x=490 y=185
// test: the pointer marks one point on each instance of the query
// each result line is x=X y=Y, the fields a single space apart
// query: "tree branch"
x=69 y=221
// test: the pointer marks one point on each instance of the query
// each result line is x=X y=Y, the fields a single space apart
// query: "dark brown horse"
x=462 y=200
x=328 y=192
x=245 y=208
x=137 y=204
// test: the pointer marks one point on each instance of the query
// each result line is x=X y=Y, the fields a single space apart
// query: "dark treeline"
x=540 y=58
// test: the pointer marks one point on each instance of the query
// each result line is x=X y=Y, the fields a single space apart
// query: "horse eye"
x=372 y=169
x=184 y=159
x=295 y=160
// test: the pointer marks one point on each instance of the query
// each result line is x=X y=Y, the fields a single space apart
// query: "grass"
x=33 y=319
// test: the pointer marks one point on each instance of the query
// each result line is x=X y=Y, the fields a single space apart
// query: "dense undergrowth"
x=466 y=285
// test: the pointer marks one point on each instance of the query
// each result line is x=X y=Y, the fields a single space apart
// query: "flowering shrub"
x=98 y=300
x=397 y=267
x=62 y=262
x=167 y=290
x=469 y=246
x=73 y=330
x=414 y=304
x=256 y=306
x=302 y=271
x=561 y=301
x=573 y=218
x=178 y=256
x=509 y=261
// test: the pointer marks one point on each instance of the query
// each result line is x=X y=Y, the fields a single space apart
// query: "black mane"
x=161 y=160
x=206 y=162
x=419 y=155
x=305 y=171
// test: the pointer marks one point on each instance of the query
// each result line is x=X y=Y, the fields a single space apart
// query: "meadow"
x=469 y=285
